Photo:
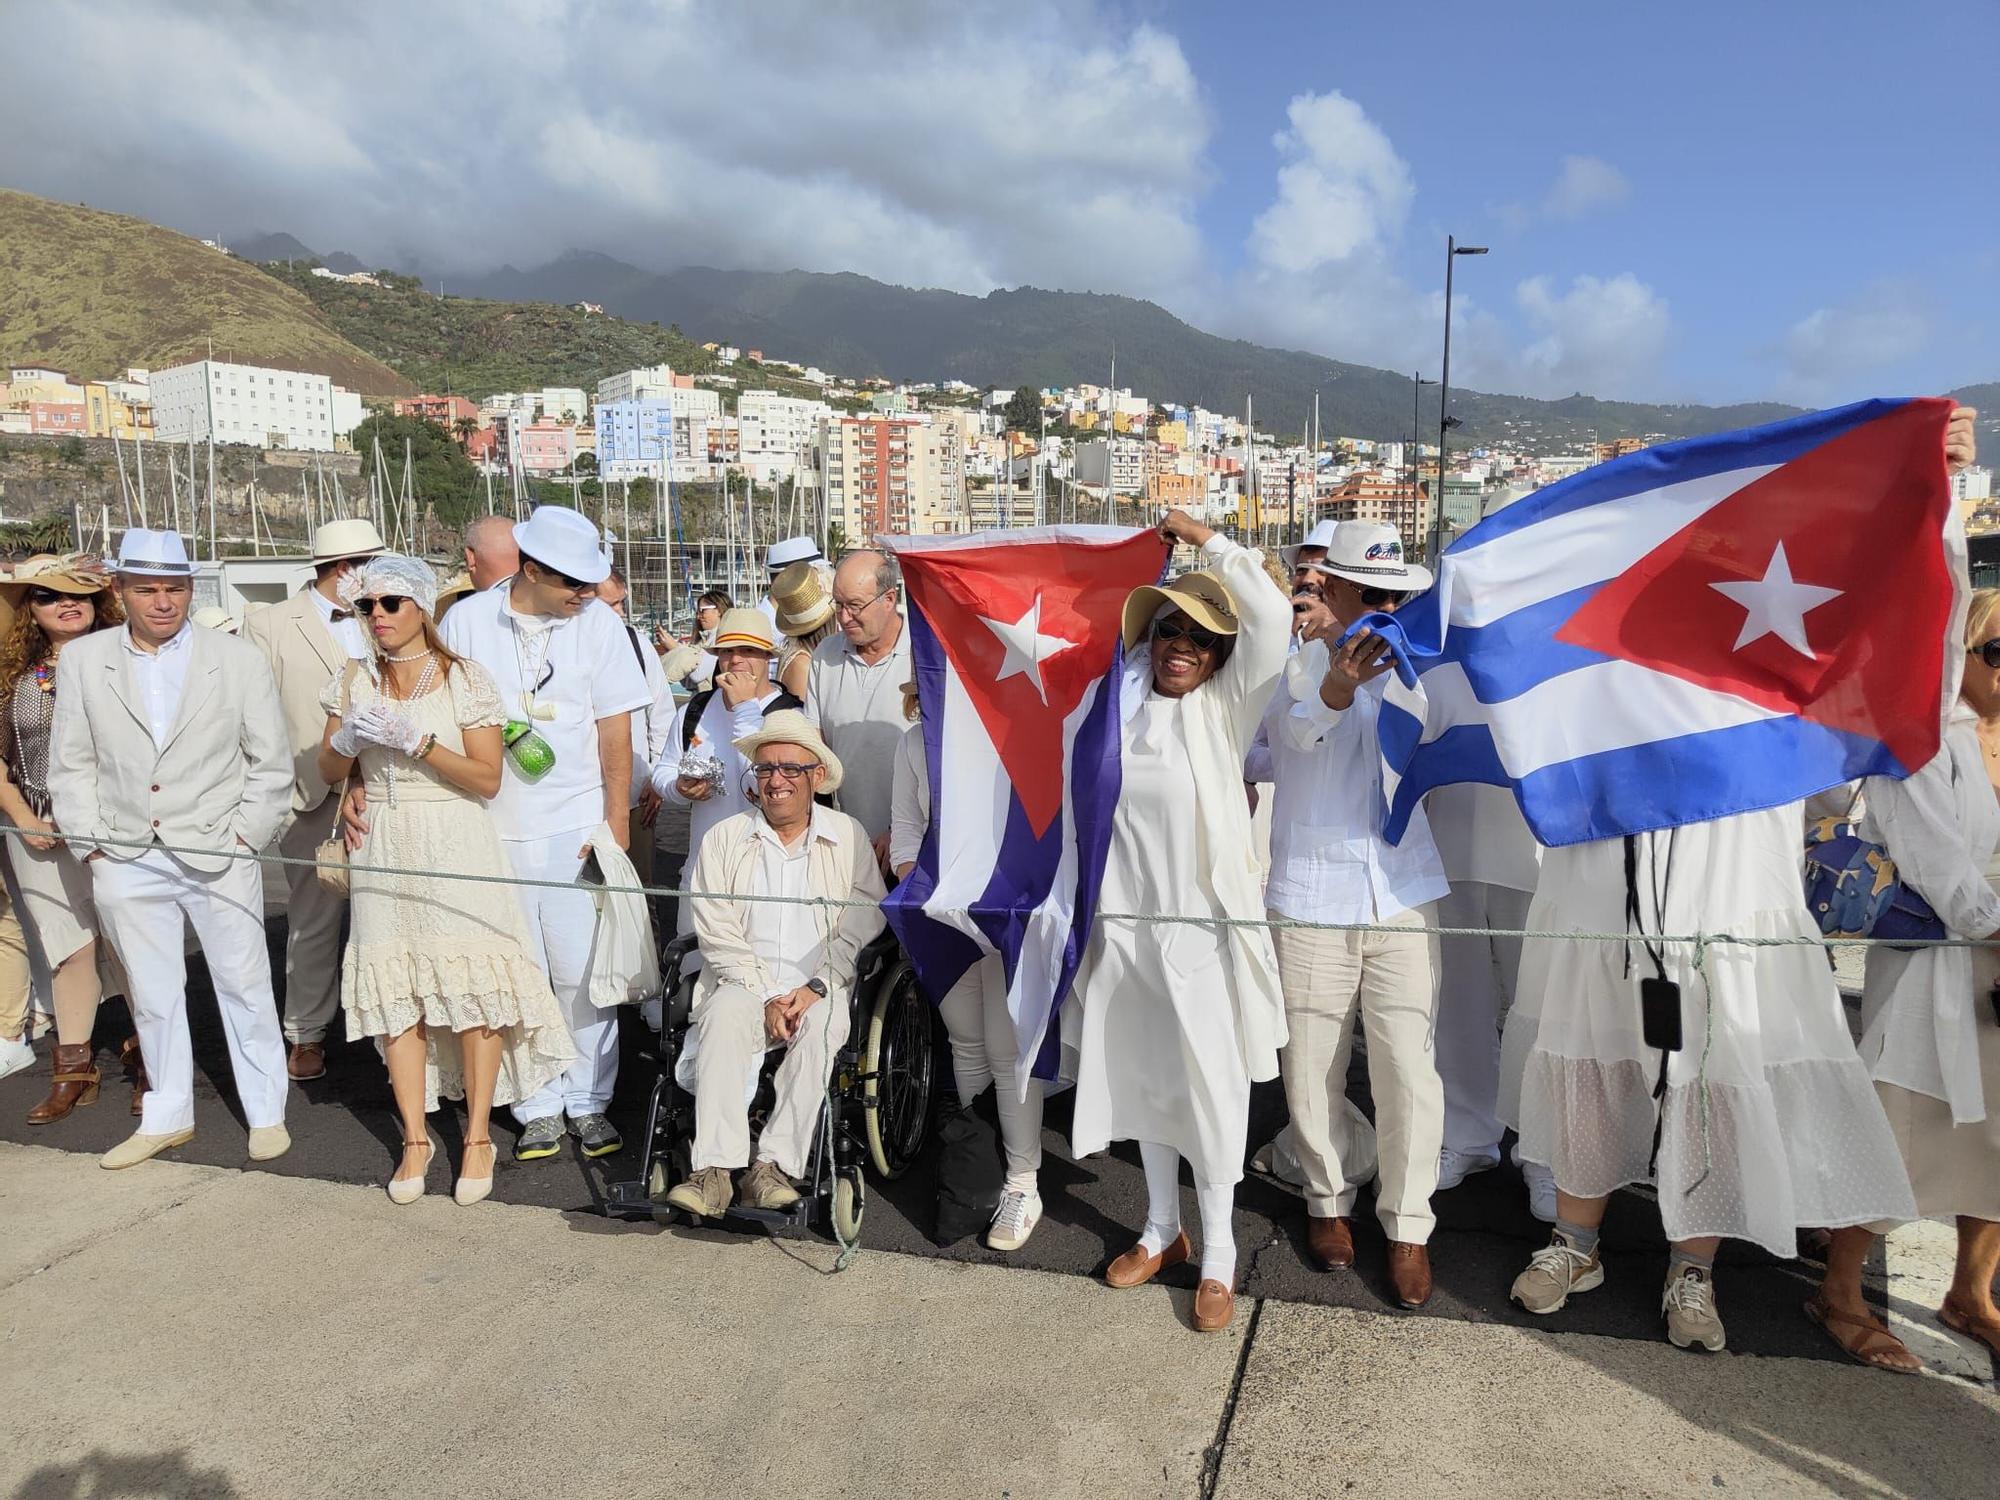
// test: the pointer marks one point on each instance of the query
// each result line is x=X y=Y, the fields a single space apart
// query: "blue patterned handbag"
x=1853 y=890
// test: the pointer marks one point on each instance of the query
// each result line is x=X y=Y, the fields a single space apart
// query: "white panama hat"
x=340 y=539
x=790 y=727
x=792 y=549
x=565 y=540
x=153 y=554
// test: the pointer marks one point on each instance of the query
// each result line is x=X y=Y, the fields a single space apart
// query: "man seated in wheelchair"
x=774 y=974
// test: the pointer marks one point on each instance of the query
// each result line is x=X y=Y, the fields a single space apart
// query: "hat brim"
x=738 y=642
x=1411 y=578
x=594 y=568
x=59 y=583
x=327 y=557
x=1142 y=604
x=806 y=623
x=750 y=744
x=152 y=570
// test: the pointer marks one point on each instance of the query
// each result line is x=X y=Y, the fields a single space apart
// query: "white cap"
x=153 y=554
x=214 y=617
x=792 y=549
x=1320 y=536
x=563 y=539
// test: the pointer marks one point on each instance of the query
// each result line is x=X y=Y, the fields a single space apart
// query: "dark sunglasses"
x=1988 y=653
x=389 y=604
x=1194 y=635
x=791 y=770
x=574 y=585
x=47 y=596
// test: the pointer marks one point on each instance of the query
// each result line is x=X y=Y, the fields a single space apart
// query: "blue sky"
x=1693 y=201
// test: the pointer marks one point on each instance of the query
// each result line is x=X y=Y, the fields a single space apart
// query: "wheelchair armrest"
x=875 y=959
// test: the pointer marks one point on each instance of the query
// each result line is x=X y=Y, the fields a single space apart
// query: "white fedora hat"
x=153 y=554
x=1318 y=537
x=338 y=539
x=214 y=617
x=790 y=727
x=792 y=549
x=1370 y=553
x=565 y=540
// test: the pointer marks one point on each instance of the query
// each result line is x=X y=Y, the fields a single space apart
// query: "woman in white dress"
x=1175 y=1020
x=437 y=970
x=984 y=1050
x=1930 y=1031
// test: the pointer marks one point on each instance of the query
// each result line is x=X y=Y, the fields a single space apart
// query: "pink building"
x=60 y=417
x=545 y=447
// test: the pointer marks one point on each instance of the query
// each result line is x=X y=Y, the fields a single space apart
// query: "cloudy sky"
x=1708 y=201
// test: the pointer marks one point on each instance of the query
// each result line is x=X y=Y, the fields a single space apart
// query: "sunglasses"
x=389 y=604
x=1988 y=653
x=1194 y=635
x=791 y=770
x=574 y=585
x=47 y=596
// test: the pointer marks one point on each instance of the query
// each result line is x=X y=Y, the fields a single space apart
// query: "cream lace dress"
x=451 y=953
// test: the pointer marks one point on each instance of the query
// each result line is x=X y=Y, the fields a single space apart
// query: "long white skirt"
x=1770 y=1123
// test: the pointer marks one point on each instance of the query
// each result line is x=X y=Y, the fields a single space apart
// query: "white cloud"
x=1585 y=184
x=1833 y=349
x=1596 y=337
x=1342 y=188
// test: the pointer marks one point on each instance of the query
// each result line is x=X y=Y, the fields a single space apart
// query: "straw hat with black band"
x=1202 y=597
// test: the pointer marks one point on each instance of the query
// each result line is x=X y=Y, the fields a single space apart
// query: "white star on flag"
x=1026 y=647
x=1776 y=605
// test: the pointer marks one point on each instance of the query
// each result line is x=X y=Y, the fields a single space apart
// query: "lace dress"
x=453 y=954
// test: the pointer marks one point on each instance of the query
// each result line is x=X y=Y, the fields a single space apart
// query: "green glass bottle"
x=533 y=756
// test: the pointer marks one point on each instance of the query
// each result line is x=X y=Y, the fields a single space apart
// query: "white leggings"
x=1163 y=1212
x=983 y=1052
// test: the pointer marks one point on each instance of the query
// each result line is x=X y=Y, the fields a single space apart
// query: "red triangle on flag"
x=1029 y=626
x=1841 y=549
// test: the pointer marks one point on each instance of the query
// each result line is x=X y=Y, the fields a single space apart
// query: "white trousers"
x=145 y=906
x=1475 y=991
x=1388 y=981
x=312 y=928
x=729 y=1041
x=983 y=1052
x=562 y=927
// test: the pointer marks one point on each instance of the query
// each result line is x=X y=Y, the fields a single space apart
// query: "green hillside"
x=91 y=293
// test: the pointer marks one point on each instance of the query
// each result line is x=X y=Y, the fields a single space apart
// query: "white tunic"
x=1771 y=1123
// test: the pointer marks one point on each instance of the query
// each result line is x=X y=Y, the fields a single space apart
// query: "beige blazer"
x=303 y=657
x=224 y=774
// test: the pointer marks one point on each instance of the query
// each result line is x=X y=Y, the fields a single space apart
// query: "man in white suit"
x=170 y=737
x=308 y=641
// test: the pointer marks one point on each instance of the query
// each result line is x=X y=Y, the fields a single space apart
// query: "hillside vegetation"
x=91 y=293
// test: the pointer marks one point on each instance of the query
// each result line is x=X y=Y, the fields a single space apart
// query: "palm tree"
x=465 y=427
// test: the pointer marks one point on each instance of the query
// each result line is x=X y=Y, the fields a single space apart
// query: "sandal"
x=1981 y=1330
x=1860 y=1340
x=410 y=1189
x=471 y=1190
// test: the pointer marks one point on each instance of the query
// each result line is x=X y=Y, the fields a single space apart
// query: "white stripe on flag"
x=973 y=789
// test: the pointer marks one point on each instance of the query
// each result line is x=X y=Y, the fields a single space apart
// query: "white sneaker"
x=1688 y=1305
x=1541 y=1191
x=1455 y=1166
x=15 y=1056
x=1015 y=1220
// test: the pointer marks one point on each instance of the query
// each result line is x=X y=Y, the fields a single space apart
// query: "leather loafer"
x=1331 y=1242
x=1136 y=1267
x=1214 y=1306
x=306 y=1062
x=1410 y=1273
x=142 y=1147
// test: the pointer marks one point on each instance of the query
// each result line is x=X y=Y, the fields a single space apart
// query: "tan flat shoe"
x=1214 y=1306
x=1137 y=1266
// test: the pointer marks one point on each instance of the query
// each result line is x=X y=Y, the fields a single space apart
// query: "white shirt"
x=346 y=633
x=583 y=669
x=158 y=678
x=788 y=936
x=910 y=801
x=1329 y=861
x=715 y=735
x=650 y=725
x=859 y=708
x=1482 y=837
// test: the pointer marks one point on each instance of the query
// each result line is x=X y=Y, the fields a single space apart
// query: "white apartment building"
x=1972 y=485
x=251 y=404
x=1124 y=457
x=654 y=381
x=774 y=430
x=563 y=403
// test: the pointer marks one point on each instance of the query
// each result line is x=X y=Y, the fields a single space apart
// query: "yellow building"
x=112 y=408
x=1171 y=434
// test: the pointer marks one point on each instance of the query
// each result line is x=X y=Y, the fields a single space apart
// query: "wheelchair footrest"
x=628 y=1200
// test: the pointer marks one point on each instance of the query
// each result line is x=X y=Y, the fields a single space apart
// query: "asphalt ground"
x=344 y=1130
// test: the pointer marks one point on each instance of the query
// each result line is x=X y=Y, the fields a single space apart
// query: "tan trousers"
x=1388 y=980
x=729 y=1026
x=312 y=928
x=15 y=979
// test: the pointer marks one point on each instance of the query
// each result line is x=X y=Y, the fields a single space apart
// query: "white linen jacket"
x=224 y=775
x=303 y=657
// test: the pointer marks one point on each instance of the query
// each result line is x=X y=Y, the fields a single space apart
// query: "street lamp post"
x=1452 y=250
x=1417 y=384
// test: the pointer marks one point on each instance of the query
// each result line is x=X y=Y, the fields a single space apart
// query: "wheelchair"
x=880 y=1106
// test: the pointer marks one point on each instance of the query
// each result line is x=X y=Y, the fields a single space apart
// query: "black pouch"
x=1660 y=1013
x=971 y=1170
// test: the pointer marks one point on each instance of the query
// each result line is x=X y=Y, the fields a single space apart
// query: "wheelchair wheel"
x=850 y=1202
x=900 y=1070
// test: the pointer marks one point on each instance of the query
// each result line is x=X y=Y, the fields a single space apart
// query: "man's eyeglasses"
x=574 y=585
x=1989 y=652
x=850 y=607
x=790 y=770
x=1194 y=635
x=389 y=604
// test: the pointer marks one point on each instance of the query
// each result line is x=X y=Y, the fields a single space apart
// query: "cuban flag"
x=1015 y=642
x=1699 y=629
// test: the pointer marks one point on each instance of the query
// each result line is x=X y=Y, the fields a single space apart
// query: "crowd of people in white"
x=391 y=733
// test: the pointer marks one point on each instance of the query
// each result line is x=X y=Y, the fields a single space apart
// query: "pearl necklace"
x=425 y=680
x=413 y=656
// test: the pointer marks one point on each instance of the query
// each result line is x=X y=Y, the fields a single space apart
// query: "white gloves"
x=346 y=739
x=390 y=728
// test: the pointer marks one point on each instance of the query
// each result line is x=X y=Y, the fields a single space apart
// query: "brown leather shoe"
x=1135 y=1267
x=1410 y=1273
x=306 y=1062
x=75 y=1082
x=135 y=1068
x=1214 y=1306
x=1331 y=1242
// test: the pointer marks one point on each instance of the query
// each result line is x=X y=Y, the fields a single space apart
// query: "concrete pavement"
x=181 y=1330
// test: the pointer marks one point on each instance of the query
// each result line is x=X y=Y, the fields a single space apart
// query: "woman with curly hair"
x=54 y=600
